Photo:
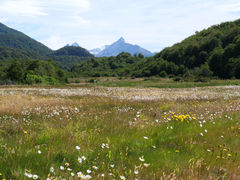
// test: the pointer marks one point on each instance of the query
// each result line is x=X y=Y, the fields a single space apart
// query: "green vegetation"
x=149 y=82
x=218 y=47
x=31 y=72
x=112 y=66
x=54 y=135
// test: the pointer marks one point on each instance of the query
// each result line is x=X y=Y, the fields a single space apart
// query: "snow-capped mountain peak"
x=118 y=47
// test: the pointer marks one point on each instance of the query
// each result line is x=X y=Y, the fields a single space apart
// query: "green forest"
x=210 y=53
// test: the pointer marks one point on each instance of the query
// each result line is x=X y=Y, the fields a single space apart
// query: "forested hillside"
x=15 y=39
x=212 y=52
x=8 y=53
x=72 y=51
x=218 y=46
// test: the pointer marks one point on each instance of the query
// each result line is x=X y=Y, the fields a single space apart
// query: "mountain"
x=15 y=39
x=96 y=51
x=75 y=44
x=72 y=51
x=69 y=56
x=121 y=46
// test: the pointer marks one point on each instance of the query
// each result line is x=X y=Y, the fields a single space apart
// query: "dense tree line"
x=120 y=65
x=31 y=72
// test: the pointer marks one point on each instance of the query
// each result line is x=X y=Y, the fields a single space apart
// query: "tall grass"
x=119 y=138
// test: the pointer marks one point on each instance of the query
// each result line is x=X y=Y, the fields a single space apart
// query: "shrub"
x=34 y=79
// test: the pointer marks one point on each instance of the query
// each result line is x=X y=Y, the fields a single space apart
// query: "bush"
x=163 y=74
x=34 y=79
x=50 y=80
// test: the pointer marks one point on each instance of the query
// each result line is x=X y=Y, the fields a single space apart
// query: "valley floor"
x=119 y=133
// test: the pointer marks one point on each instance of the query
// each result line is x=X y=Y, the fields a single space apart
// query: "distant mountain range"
x=33 y=49
x=118 y=47
x=96 y=51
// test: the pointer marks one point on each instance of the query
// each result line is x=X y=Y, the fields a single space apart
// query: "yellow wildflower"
x=67 y=164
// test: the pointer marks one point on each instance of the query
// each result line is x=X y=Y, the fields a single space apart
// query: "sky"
x=152 y=24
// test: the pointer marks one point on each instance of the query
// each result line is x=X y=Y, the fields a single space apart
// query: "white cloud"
x=79 y=19
x=22 y=7
x=43 y=7
x=54 y=42
x=3 y=19
x=232 y=7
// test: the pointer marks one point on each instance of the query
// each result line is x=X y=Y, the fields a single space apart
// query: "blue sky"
x=152 y=24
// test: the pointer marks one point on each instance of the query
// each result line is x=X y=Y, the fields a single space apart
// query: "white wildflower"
x=80 y=160
x=69 y=169
x=35 y=176
x=51 y=169
x=122 y=177
x=95 y=167
x=141 y=159
x=89 y=171
x=88 y=177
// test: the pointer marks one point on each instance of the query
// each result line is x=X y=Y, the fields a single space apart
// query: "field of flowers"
x=119 y=133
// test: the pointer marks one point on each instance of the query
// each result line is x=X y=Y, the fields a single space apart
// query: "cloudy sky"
x=153 y=24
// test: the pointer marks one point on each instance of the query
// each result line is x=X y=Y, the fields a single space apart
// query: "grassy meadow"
x=119 y=133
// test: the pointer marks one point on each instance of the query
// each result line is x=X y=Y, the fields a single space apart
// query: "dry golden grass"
x=14 y=104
